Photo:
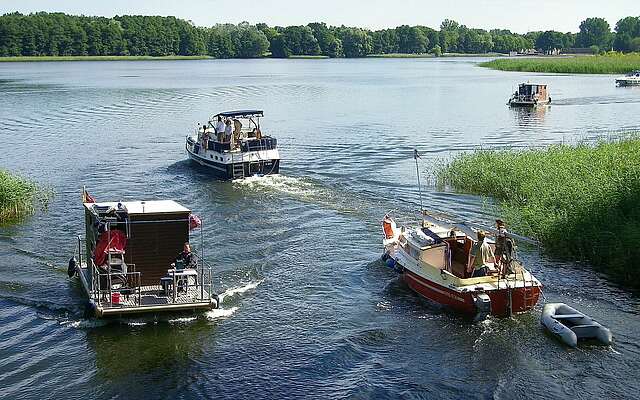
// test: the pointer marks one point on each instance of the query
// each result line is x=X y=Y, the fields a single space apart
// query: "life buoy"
x=71 y=270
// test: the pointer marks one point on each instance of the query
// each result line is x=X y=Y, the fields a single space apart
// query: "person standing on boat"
x=501 y=243
x=480 y=256
x=237 y=129
x=220 y=128
x=228 y=131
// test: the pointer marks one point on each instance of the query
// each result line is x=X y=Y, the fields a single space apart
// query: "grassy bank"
x=18 y=196
x=308 y=57
x=98 y=58
x=604 y=64
x=430 y=55
x=581 y=202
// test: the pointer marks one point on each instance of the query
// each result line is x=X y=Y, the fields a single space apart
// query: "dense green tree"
x=594 y=31
x=356 y=42
x=411 y=40
x=550 y=40
x=384 y=41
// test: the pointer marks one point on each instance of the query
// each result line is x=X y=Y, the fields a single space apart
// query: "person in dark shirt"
x=185 y=257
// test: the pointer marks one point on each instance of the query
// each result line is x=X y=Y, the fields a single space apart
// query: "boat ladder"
x=237 y=168
x=528 y=299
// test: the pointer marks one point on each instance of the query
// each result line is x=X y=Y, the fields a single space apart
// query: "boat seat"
x=568 y=316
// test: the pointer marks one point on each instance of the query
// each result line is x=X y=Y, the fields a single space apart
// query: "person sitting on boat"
x=185 y=258
x=501 y=242
x=220 y=128
x=480 y=256
x=228 y=131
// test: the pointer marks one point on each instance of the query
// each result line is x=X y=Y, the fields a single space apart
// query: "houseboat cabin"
x=233 y=146
x=530 y=95
x=136 y=258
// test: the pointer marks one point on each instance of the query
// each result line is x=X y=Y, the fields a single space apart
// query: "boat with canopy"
x=232 y=145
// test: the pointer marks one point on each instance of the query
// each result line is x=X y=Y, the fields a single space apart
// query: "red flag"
x=194 y=221
x=86 y=197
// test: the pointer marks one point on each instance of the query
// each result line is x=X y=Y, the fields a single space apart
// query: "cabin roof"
x=145 y=207
x=533 y=84
x=241 y=113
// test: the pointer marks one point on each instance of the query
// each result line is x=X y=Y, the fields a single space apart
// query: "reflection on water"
x=308 y=309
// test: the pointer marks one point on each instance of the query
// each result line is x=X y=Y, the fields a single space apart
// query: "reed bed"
x=603 y=64
x=18 y=196
x=581 y=202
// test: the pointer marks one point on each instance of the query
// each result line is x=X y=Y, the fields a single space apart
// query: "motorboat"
x=530 y=95
x=630 y=79
x=434 y=260
x=232 y=145
x=571 y=326
x=127 y=264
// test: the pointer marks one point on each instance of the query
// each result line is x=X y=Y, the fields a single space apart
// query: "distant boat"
x=434 y=261
x=530 y=95
x=243 y=153
x=630 y=79
x=570 y=325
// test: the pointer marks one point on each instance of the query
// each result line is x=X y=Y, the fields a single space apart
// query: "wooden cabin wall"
x=154 y=243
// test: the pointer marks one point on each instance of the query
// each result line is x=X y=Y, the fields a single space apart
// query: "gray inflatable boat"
x=570 y=325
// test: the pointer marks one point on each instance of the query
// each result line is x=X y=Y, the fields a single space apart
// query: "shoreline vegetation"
x=18 y=197
x=579 y=201
x=608 y=63
x=63 y=35
x=99 y=58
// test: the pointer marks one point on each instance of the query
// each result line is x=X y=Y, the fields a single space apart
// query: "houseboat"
x=136 y=258
x=530 y=95
x=231 y=144
x=630 y=79
x=435 y=261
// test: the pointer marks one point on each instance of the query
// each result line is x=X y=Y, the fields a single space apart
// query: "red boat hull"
x=524 y=299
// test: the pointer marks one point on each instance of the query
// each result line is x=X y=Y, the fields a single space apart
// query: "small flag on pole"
x=415 y=154
x=86 y=197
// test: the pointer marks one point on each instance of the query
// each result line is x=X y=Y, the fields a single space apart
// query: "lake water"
x=309 y=310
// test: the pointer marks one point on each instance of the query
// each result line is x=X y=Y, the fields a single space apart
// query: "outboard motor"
x=71 y=270
x=483 y=306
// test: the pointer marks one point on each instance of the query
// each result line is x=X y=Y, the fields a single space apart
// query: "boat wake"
x=232 y=292
x=222 y=312
x=278 y=183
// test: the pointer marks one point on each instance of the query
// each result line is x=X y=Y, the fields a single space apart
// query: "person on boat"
x=185 y=257
x=237 y=130
x=220 y=128
x=501 y=242
x=228 y=131
x=480 y=256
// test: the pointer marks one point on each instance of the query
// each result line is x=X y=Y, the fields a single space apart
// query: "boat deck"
x=151 y=298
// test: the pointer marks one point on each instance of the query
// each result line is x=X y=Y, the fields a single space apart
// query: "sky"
x=517 y=15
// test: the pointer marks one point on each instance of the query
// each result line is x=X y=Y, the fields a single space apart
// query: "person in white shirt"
x=220 y=126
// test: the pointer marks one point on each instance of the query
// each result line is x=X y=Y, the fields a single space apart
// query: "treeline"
x=58 y=34
x=595 y=34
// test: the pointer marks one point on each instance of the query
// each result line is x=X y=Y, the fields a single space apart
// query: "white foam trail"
x=240 y=290
x=183 y=320
x=84 y=323
x=220 y=313
x=280 y=183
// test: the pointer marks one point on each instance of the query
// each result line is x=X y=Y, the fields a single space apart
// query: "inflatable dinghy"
x=570 y=325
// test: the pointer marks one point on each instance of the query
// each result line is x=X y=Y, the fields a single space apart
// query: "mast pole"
x=415 y=157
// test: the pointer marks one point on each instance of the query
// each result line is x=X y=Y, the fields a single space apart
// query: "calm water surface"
x=308 y=309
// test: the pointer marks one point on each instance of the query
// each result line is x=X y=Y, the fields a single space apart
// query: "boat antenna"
x=415 y=157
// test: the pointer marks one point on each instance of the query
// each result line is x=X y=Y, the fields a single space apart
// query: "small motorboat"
x=630 y=79
x=570 y=325
x=530 y=95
